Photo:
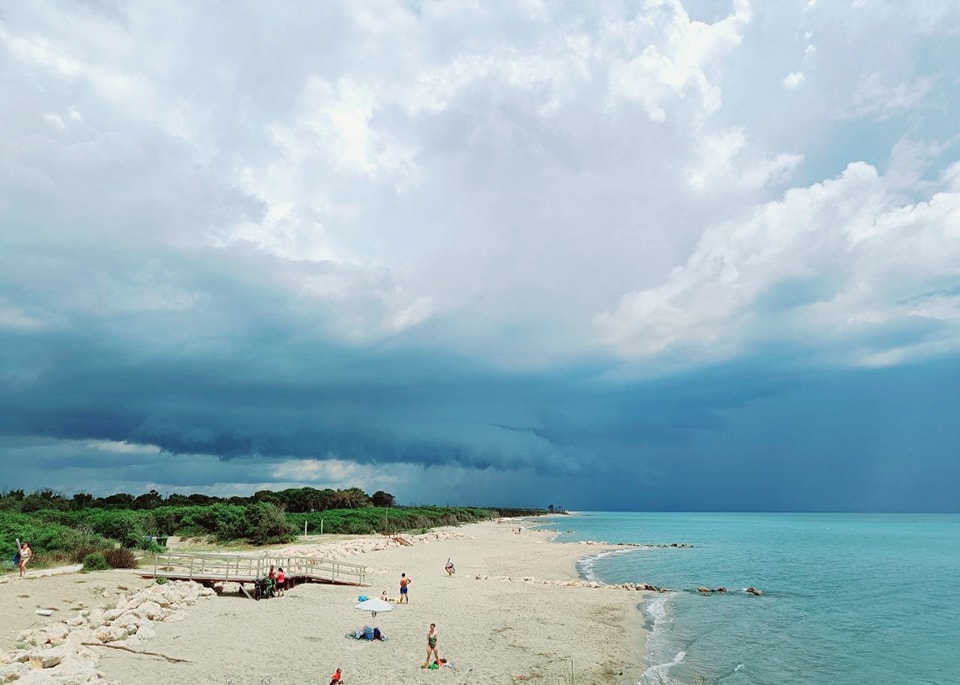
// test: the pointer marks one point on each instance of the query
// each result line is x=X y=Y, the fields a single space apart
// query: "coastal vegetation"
x=69 y=529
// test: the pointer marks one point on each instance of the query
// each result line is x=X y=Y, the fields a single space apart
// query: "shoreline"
x=517 y=610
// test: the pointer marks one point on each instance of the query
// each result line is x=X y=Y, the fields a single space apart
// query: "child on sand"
x=384 y=596
x=336 y=678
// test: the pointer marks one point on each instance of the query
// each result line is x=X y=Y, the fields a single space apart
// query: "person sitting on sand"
x=336 y=678
x=26 y=554
x=449 y=567
x=281 y=580
x=384 y=596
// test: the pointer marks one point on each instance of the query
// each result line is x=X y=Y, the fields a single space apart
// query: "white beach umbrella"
x=374 y=605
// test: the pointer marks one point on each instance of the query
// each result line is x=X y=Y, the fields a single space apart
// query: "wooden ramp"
x=212 y=569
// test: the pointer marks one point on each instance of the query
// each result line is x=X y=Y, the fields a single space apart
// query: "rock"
x=704 y=590
x=12 y=671
x=55 y=631
x=110 y=633
x=37 y=677
x=753 y=591
x=75 y=670
x=146 y=632
x=47 y=657
x=721 y=589
x=28 y=636
x=151 y=610
x=112 y=615
x=130 y=623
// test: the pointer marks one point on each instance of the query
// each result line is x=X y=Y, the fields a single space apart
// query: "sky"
x=651 y=255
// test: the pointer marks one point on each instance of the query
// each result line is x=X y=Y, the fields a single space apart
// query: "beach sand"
x=504 y=617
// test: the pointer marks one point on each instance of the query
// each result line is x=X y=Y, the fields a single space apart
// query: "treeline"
x=70 y=528
x=293 y=500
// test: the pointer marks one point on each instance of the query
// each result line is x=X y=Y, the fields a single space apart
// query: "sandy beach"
x=513 y=612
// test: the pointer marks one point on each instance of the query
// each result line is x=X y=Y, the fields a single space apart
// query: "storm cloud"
x=670 y=255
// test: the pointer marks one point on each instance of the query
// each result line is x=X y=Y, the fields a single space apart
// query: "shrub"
x=82 y=537
x=95 y=562
x=148 y=545
x=266 y=524
x=80 y=554
x=126 y=527
x=121 y=558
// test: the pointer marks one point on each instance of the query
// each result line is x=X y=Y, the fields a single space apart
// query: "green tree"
x=120 y=500
x=148 y=500
x=44 y=499
x=382 y=499
x=353 y=498
x=80 y=501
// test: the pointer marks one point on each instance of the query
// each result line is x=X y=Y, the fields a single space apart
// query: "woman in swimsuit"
x=26 y=554
x=432 y=645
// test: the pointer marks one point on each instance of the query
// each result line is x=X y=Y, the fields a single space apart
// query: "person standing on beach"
x=432 y=645
x=281 y=581
x=404 y=584
x=26 y=554
x=449 y=567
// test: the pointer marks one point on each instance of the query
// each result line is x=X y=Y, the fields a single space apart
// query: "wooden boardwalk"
x=212 y=569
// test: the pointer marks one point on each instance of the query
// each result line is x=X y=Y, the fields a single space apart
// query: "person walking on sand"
x=432 y=645
x=404 y=585
x=26 y=554
x=449 y=567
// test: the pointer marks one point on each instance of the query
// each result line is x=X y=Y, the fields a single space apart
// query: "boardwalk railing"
x=210 y=568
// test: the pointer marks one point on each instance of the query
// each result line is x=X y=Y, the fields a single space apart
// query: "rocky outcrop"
x=64 y=652
x=642 y=587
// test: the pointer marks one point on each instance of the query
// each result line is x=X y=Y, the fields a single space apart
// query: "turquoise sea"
x=848 y=599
